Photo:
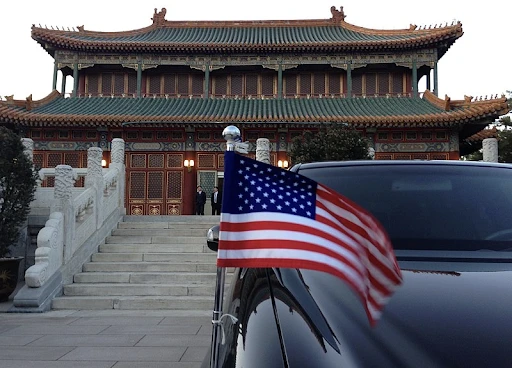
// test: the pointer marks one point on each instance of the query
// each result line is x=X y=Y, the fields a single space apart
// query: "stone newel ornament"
x=490 y=149
x=117 y=152
x=263 y=150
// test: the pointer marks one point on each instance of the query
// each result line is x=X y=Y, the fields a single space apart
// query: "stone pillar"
x=490 y=149
x=349 y=80
x=414 y=79
x=64 y=182
x=117 y=158
x=206 y=90
x=94 y=178
x=263 y=150
x=75 y=79
x=55 y=71
x=436 y=87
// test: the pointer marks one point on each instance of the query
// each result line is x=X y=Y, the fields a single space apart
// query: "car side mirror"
x=212 y=238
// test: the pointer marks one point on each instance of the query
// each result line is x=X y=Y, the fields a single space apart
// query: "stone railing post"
x=263 y=150
x=28 y=145
x=64 y=182
x=117 y=158
x=490 y=149
x=94 y=178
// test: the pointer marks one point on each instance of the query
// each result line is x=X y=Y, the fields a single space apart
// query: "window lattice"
x=203 y=135
x=170 y=84
x=319 y=83
x=91 y=135
x=106 y=83
x=426 y=136
x=251 y=84
x=92 y=84
x=174 y=160
x=156 y=160
x=397 y=136
x=36 y=134
x=411 y=136
x=161 y=136
x=290 y=82
x=440 y=135
x=118 y=83
x=63 y=134
x=147 y=135
x=402 y=156
x=54 y=159
x=383 y=80
x=267 y=84
x=132 y=83
x=220 y=161
x=197 y=84
x=49 y=134
x=72 y=159
x=334 y=83
x=137 y=185
x=420 y=156
x=237 y=84
x=206 y=161
x=138 y=161
x=155 y=185
x=177 y=135
x=305 y=84
x=84 y=159
x=38 y=160
x=77 y=134
x=221 y=84
x=174 y=186
x=154 y=84
x=382 y=136
x=183 y=84
x=357 y=84
x=132 y=135
x=397 y=83
x=371 y=83
x=439 y=156
x=383 y=157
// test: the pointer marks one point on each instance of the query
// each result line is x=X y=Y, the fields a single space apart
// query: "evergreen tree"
x=331 y=142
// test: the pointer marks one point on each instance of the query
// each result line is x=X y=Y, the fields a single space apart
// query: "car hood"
x=454 y=315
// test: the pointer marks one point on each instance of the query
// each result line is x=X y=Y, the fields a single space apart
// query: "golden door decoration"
x=155 y=184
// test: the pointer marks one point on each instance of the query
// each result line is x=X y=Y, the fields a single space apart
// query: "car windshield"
x=445 y=207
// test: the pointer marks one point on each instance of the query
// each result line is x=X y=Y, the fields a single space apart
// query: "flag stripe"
x=276 y=218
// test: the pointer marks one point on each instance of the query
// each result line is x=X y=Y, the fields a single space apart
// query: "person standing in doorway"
x=200 y=200
x=216 y=199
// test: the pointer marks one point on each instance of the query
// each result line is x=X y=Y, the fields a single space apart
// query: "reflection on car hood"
x=455 y=318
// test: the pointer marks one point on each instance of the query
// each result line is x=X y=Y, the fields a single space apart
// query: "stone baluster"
x=94 y=178
x=263 y=150
x=490 y=149
x=117 y=157
x=64 y=182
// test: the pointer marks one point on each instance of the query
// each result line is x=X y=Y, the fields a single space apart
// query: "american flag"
x=277 y=218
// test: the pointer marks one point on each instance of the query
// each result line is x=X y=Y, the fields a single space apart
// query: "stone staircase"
x=148 y=263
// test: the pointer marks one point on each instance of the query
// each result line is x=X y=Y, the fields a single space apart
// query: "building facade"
x=169 y=89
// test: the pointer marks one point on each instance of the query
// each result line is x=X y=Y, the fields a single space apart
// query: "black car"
x=450 y=223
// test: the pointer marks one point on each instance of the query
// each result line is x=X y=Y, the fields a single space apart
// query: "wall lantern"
x=283 y=164
x=189 y=164
x=103 y=163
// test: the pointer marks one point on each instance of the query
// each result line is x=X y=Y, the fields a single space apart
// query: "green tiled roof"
x=370 y=111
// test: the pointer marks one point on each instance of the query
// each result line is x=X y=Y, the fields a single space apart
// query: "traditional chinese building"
x=170 y=89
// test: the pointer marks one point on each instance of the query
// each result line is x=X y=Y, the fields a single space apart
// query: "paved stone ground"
x=104 y=339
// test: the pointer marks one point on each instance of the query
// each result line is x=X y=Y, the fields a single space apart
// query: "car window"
x=430 y=206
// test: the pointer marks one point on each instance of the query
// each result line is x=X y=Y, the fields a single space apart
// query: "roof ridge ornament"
x=337 y=15
x=159 y=17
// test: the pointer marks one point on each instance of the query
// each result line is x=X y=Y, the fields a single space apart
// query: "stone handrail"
x=80 y=219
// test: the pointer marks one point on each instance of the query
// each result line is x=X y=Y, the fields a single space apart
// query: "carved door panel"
x=154 y=184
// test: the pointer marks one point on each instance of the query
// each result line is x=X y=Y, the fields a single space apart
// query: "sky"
x=476 y=65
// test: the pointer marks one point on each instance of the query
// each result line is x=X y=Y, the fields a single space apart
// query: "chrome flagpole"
x=233 y=143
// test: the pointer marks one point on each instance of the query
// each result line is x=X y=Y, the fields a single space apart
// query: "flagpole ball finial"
x=231 y=132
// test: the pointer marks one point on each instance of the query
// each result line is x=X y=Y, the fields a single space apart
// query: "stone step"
x=189 y=289
x=144 y=277
x=199 y=233
x=137 y=239
x=155 y=248
x=148 y=267
x=204 y=303
x=155 y=257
